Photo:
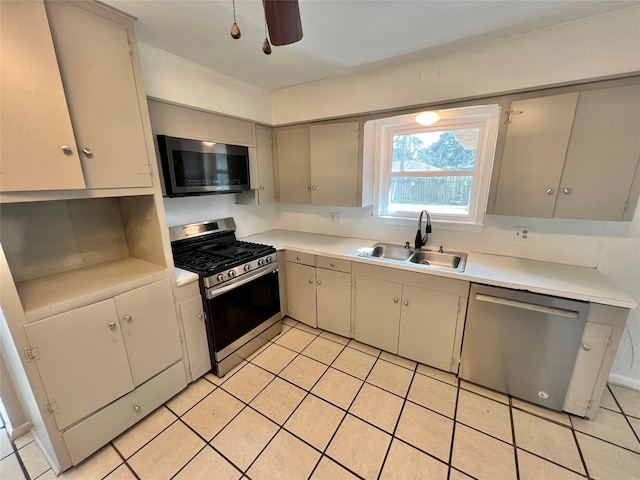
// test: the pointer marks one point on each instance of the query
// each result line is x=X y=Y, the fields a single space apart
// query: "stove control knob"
x=232 y=273
x=247 y=267
x=220 y=277
x=261 y=262
x=268 y=259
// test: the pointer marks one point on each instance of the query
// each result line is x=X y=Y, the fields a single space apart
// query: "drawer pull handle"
x=333 y=264
x=136 y=408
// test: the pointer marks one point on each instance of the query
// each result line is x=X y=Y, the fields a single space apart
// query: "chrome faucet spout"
x=420 y=239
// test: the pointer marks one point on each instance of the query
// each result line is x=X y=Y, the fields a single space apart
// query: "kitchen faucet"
x=420 y=240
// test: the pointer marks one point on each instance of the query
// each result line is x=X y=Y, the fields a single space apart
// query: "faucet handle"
x=407 y=245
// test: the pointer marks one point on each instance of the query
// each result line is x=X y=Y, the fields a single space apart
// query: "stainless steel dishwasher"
x=523 y=344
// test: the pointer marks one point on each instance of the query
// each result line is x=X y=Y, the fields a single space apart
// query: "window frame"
x=484 y=117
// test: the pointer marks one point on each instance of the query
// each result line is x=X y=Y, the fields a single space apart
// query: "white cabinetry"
x=572 y=155
x=71 y=65
x=93 y=355
x=414 y=315
x=95 y=58
x=195 y=330
x=262 y=183
x=320 y=164
x=319 y=297
x=38 y=145
x=333 y=280
x=301 y=287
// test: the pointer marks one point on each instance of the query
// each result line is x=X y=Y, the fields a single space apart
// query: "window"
x=443 y=168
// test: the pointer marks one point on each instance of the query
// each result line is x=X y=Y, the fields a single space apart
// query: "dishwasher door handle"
x=527 y=306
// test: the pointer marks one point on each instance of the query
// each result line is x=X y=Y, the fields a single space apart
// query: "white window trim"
x=379 y=133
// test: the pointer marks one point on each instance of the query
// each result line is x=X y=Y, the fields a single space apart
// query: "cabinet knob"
x=319 y=282
x=333 y=264
x=261 y=187
x=298 y=258
x=313 y=187
x=586 y=347
x=309 y=187
x=311 y=282
x=136 y=408
x=550 y=191
x=395 y=300
x=87 y=152
x=66 y=149
x=199 y=316
x=112 y=324
x=566 y=191
x=406 y=303
x=127 y=318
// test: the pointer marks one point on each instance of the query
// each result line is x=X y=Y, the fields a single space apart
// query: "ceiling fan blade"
x=283 y=21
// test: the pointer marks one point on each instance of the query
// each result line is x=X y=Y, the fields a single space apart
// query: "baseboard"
x=20 y=430
x=623 y=381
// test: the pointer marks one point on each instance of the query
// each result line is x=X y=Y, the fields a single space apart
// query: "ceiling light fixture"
x=282 y=23
x=427 y=118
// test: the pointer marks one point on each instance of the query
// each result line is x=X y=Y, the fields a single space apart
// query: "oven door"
x=237 y=311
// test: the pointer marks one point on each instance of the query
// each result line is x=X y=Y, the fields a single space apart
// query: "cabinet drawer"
x=89 y=435
x=334 y=264
x=299 y=257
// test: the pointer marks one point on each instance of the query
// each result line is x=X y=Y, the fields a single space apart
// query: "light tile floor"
x=315 y=405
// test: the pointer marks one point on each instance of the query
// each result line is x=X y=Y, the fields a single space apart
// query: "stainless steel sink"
x=429 y=258
x=437 y=259
x=391 y=252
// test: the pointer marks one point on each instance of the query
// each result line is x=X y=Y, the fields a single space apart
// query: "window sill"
x=437 y=224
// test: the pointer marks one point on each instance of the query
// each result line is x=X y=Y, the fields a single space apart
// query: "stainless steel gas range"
x=239 y=287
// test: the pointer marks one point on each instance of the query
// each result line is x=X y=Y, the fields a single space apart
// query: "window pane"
x=453 y=149
x=439 y=195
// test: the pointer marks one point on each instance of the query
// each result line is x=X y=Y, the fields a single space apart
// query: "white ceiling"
x=341 y=36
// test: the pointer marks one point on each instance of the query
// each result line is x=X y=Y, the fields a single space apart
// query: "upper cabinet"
x=261 y=171
x=573 y=155
x=95 y=58
x=38 y=148
x=321 y=164
x=71 y=116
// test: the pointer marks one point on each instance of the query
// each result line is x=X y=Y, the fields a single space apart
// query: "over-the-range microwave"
x=197 y=167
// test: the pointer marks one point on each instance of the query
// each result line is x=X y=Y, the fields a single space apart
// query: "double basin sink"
x=431 y=258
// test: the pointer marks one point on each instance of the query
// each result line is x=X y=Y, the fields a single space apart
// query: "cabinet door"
x=377 y=313
x=264 y=147
x=150 y=329
x=195 y=334
x=34 y=116
x=334 y=164
x=428 y=326
x=534 y=153
x=301 y=293
x=334 y=301
x=95 y=63
x=602 y=156
x=294 y=169
x=81 y=359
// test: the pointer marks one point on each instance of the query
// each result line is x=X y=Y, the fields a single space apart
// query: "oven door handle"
x=261 y=272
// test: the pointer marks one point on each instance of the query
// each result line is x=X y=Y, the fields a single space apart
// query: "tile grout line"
x=584 y=463
x=124 y=461
x=626 y=417
x=453 y=430
x=513 y=436
x=16 y=450
x=395 y=428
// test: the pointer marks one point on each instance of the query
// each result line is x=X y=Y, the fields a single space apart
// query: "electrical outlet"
x=521 y=233
x=335 y=217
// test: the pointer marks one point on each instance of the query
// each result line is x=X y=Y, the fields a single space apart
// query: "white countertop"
x=579 y=283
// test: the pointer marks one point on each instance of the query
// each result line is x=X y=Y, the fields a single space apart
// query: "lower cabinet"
x=195 y=331
x=319 y=297
x=94 y=355
x=416 y=316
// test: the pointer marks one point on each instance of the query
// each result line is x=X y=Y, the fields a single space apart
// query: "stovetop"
x=210 y=258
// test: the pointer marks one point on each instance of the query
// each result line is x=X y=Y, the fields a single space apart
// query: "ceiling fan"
x=282 y=19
